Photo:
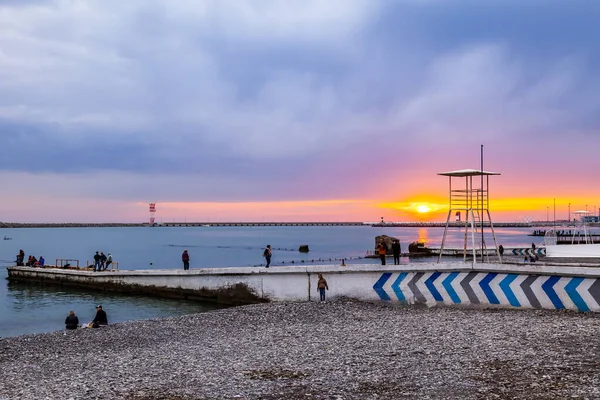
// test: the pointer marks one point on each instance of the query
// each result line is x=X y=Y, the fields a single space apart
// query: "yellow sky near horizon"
x=414 y=209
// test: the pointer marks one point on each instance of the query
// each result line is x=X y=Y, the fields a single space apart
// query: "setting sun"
x=423 y=208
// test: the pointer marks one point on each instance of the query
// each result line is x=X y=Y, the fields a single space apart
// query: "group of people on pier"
x=31 y=260
x=101 y=261
x=382 y=249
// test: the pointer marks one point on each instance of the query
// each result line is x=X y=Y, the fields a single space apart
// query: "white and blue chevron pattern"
x=502 y=289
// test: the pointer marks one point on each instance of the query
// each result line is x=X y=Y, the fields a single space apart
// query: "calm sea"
x=28 y=308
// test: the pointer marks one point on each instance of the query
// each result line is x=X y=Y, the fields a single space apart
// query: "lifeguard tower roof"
x=468 y=172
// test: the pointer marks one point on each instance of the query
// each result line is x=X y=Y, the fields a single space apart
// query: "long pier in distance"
x=263 y=223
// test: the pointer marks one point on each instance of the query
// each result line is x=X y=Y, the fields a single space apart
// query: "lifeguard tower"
x=474 y=201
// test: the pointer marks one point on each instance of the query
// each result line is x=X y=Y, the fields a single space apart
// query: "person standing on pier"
x=102 y=261
x=21 y=258
x=382 y=249
x=97 y=261
x=267 y=255
x=396 y=250
x=108 y=261
x=185 y=257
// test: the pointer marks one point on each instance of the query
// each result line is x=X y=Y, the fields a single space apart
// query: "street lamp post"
x=569 y=212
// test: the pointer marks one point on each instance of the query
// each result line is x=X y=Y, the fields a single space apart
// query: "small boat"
x=7 y=238
x=582 y=243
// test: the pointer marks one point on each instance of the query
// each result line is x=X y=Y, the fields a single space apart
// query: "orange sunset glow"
x=502 y=209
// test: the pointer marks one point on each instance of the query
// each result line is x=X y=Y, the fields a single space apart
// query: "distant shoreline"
x=69 y=225
x=251 y=223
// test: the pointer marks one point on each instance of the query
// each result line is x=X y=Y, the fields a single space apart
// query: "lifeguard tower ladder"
x=474 y=202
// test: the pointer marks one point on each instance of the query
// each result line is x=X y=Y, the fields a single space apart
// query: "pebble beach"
x=333 y=350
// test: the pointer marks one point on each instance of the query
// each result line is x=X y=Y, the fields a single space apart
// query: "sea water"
x=31 y=308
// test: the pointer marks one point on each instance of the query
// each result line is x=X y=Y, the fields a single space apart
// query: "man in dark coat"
x=185 y=257
x=396 y=250
x=101 y=317
x=97 y=261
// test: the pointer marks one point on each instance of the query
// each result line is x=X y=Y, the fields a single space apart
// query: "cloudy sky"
x=294 y=110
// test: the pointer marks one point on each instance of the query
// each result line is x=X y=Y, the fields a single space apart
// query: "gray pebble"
x=339 y=350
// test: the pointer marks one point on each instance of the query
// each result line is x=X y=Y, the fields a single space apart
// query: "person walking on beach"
x=321 y=287
x=267 y=255
x=382 y=249
x=396 y=250
x=97 y=261
x=185 y=257
x=72 y=322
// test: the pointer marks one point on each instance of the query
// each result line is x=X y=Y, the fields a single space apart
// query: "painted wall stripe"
x=422 y=287
x=408 y=294
x=485 y=286
x=447 y=284
x=378 y=286
x=526 y=287
x=396 y=286
x=516 y=290
x=595 y=291
x=571 y=290
x=548 y=288
x=540 y=293
x=561 y=292
x=429 y=283
x=419 y=298
x=465 y=284
x=510 y=295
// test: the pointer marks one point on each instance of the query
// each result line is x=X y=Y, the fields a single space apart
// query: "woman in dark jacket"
x=72 y=322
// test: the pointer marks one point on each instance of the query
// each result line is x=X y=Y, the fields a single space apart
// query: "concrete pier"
x=542 y=286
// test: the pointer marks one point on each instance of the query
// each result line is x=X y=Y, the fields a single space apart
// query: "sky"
x=295 y=110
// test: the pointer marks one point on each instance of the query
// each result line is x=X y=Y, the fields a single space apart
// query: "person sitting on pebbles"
x=100 y=319
x=72 y=322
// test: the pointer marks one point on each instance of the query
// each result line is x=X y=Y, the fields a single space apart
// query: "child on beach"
x=322 y=286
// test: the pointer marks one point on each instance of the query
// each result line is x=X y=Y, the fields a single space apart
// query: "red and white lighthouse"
x=152 y=208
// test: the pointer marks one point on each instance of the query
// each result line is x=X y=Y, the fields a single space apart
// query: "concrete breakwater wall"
x=573 y=287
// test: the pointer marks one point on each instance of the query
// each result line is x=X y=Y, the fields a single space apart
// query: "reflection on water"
x=31 y=308
x=423 y=236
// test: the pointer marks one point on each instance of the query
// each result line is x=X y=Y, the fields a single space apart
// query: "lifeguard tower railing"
x=469 y=193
